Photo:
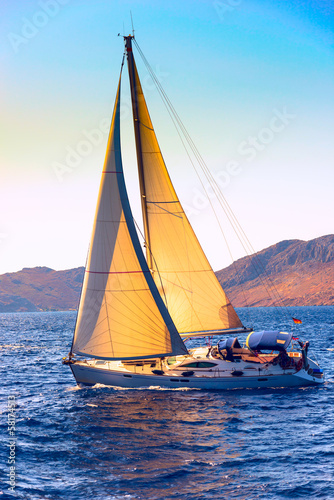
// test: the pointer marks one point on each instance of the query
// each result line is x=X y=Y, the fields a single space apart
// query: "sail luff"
x=121 y=314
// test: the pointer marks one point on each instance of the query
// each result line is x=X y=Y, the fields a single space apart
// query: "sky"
x=252 y=81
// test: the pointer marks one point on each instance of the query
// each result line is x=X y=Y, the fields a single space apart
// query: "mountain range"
x=299 y=273
x=40 y=289
x=292 y=272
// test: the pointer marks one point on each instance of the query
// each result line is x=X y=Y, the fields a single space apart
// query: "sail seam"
x=186 y=271
x=143 y=124
x=167 y=211
x=116 y=272
x=115 y=290
x=155 y=202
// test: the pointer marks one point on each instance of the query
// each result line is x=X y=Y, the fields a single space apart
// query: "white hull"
x=89 y=374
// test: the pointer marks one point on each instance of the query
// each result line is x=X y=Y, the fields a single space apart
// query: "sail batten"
x=121 y=314
x=183 y=275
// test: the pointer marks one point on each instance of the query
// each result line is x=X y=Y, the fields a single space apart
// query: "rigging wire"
x=175 y=119
x=269 y=286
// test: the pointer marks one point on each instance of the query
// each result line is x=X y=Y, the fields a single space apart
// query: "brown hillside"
x=302 y=272
x=40 y=289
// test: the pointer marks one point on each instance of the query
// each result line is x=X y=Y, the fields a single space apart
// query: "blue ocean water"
x=113 y=444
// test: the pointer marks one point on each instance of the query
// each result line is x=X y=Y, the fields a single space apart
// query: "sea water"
x=102 y=443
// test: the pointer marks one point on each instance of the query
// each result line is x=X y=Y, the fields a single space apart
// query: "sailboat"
x=136 y=312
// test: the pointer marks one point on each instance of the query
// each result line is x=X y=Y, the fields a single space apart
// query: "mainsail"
x=183 y=275
x=121 y=313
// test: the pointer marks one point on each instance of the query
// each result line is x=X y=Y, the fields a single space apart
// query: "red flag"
x=298 y=321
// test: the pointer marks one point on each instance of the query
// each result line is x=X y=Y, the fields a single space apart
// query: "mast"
x=136 y=124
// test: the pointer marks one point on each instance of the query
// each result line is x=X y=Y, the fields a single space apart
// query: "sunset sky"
x=252 y=81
